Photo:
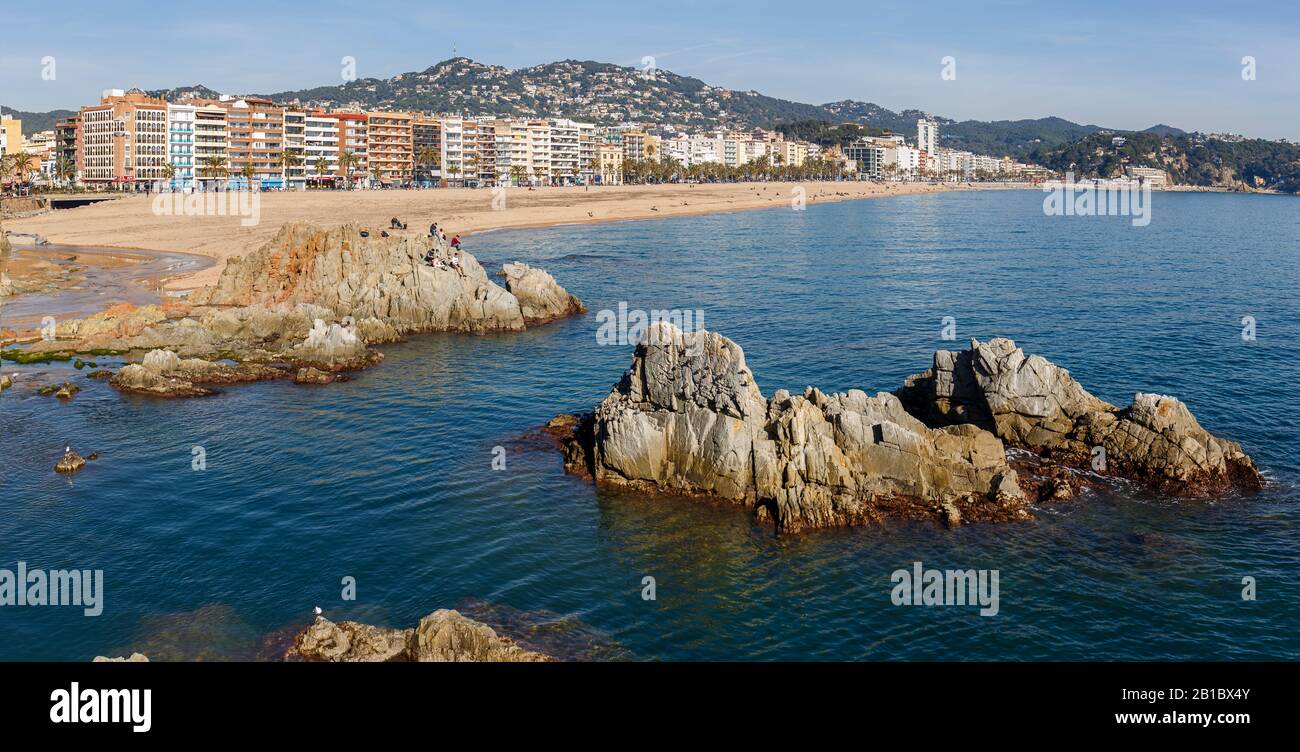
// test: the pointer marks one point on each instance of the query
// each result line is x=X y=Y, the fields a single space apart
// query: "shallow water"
x=108 y=276
x=389 y=478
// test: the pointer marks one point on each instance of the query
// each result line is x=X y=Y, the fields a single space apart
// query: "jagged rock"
x=310 y=375
x=688 y=418
x=349 y=642
x=70 y=463
x=6 y=381
x=332 y=347
x=541 y=298
x=135 y=658
x=447 y=636
x=166 y=374
x=443 y=636
x=372 y=277
x=1033 y=404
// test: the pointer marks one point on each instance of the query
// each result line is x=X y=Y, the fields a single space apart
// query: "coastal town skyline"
x=1151 y=74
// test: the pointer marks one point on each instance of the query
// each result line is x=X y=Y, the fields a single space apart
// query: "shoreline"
x=130 y=224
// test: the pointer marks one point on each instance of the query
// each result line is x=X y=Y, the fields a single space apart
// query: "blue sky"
x=1118 y=64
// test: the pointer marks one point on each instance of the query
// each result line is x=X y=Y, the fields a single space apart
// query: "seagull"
x=67 y=449
x=318 y=610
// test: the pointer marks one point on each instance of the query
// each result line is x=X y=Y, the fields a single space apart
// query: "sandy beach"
x=132 y=223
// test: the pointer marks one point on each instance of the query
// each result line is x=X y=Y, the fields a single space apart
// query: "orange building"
x=123 y=140
x=391 y=151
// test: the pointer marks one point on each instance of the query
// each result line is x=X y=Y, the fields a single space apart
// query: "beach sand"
x=131 y=222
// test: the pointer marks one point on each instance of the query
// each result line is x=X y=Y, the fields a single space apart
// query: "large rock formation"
x=688 y=418
x=1032 y=404
x=372 y=277
x=442 y=636
x=541 y=299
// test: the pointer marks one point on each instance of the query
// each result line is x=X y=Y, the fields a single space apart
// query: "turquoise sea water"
x=389 y=478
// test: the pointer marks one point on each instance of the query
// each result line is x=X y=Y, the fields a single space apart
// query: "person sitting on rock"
x=455 y=264
x=455 y=242
x=433 y=230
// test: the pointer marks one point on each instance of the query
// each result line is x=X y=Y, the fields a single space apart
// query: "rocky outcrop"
x=541 y=299
x=135 y=658
x=370 y=277
x=163 y=373
x=1033 y=404
x=689 y=418
x=443 y=636
x=70 y=463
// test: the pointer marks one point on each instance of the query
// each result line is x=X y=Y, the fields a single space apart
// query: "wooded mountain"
x=1190 y=159
x=608 y=94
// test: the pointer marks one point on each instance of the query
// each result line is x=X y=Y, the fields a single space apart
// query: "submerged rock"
x=1033 y=404
x=443 y=636
x=166 y=374
x=541 y=299
x=310 y=375
x=70 y=463
x=688 y=418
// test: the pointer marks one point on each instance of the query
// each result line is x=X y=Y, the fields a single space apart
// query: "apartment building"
x=539 y=152
x=67 y=137
x=353 y=146
x=124 y=139
x=513 y=151
x=295 y=149
x=320 y=149
x=868 y=156
x=566 y=164
x=927 y=135
x=180 y=146
x=391 y=146
x=484 y=164
x=210 y=163
x=426 y=144
x=609 y=161
x=588 y=161
x=254 y=142
x=11 y=135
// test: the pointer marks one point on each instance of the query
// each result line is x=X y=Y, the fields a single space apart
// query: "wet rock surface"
x=1033 y=404
x=442 y=636
x=688 y=418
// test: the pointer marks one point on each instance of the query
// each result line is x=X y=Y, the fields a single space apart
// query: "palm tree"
x=248 y=171
x=347 y=160
x=322 y=166
x=453 y=170
x=21 y=167
x=518 y=174
x=427 y=157
x=378 y=171
x=289 y=159
x=214 y=167
x=169 y=172
x=65 y=169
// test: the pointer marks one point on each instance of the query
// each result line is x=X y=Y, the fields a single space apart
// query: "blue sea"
x=389 y=479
